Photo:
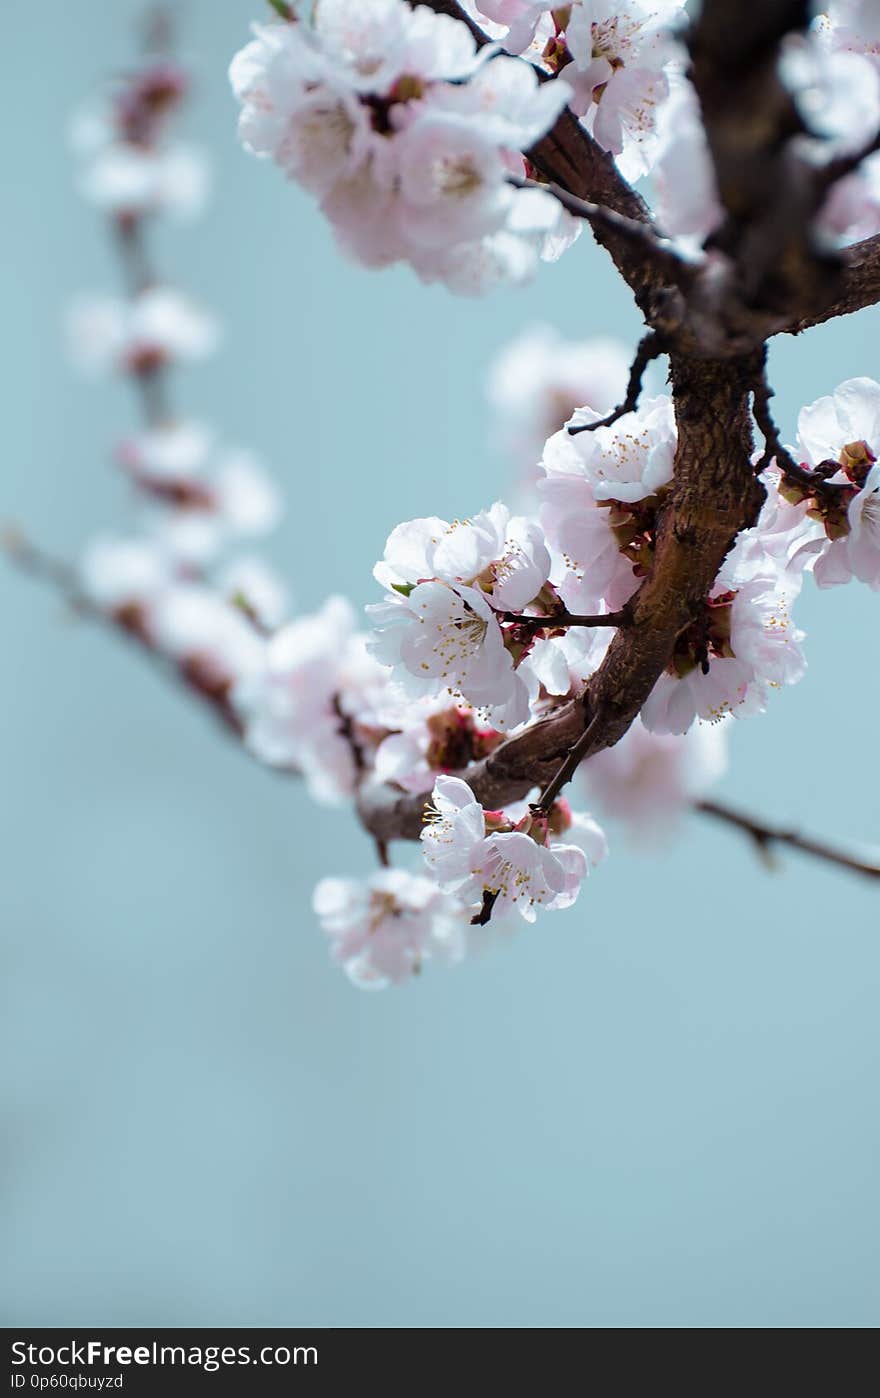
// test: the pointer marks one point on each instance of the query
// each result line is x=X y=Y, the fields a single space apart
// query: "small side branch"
x=27 y=558
x=638 y=234
x=650 y=347
x=815 y=481
x=569 y=766
x=63 y=579
x=623 y=617
x=765 y=837
x=484 y=916
x=843 y=165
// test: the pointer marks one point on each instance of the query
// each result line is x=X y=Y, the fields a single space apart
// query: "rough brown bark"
x=858 y=287
x=714 y=496
x=764 y=275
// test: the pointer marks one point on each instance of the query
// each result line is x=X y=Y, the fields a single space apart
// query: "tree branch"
x=35 y=562
x=571 y=160
x=714 y=495
x=562 y=620
x=62 y=578
x=858 y=286
x=766 y=836
x=650 y=347
x=816 y=481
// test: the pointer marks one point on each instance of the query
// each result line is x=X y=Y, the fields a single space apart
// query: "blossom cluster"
x=413 y=139
x=620 y=58
x=176 y=581
x=408 y=135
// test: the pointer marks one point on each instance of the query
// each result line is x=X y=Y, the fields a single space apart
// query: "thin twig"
x=480 y=919
x=765 y=836
x=623 y=617
x=27 y=558
x=650 y=347
x=842 y=165
x=815 y=481
x=150 y=382
x=569 y=766
x=633 y=230
x=36 y=563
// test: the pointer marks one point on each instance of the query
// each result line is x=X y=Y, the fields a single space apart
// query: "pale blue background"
x=659 y=1110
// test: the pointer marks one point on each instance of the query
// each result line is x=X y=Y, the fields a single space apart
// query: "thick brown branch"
x=569 y=158
x=858 y=287
x=766 y=836
x=714 y=496
x=770 y=192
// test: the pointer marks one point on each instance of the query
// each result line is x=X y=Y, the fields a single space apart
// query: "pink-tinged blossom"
x=727 y=663
x=863 y=540
x=851 y=26
x=127 y=181
x=383 y=929
x=426 y=737
x=538 y=381
x=648 y=780
x=453 y=188
x=159 y=326
x=561 y=664
x=206 y=499
x=390 y=115
x=298 y=708
x=836 y=76
x=448 y=639
x=197 y=628
x=122 y=574
x=515 y=22
x=844 y=427
x=504 y=556
x=687 y=199
x=622 y=56
x=515 y=869
x=599 y=490
x=177 y=450
x=248 y=582
x=632 y=459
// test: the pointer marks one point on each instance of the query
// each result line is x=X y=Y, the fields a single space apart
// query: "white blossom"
x=518 y=871
x=384 y=928
x=158 y=326
x=442 y=638
x=130 y=181
x=687 y=199
x=298 y=706
x=177 y=450
x=595 y=491
x=120 y=573
x=749 y=645
x=251 y=584
x=844 y=427
x=505 y=557
x=198 y=628
x=622 y=52
x=390 y=115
